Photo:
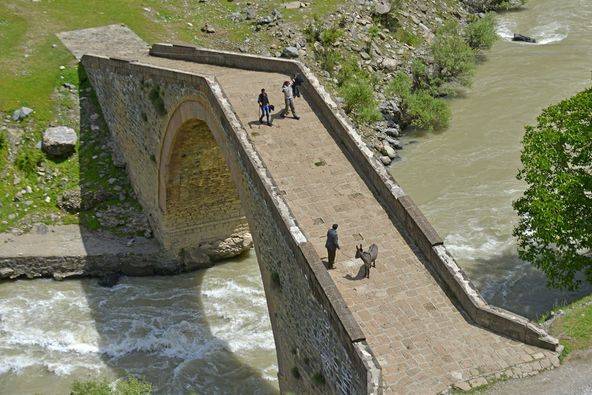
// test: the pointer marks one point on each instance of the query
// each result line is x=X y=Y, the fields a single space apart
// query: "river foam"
x=546 y=33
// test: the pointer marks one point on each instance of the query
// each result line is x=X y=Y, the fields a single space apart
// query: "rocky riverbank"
x=71 y=251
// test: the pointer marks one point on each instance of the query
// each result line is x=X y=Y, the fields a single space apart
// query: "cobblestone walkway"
x=421 y=339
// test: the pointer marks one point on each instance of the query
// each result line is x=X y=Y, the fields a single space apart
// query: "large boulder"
x=59 y=141
x=523 y=38
x=388 y=151
x=228 y=248
x=290 y=52
x=382 y=7
x=21 y=113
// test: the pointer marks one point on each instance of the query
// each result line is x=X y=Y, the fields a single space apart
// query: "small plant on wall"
x=156 y=97
x=276 y=281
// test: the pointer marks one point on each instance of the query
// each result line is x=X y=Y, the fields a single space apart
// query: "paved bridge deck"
x=420 y=337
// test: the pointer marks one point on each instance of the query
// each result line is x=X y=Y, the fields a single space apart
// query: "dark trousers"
x=296 y=89
x=331 y=252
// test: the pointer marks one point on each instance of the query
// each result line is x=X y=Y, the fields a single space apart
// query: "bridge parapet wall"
x=319 y=345
x=399 y=206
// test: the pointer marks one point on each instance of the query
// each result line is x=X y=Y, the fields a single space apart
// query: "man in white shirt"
x=289 y=100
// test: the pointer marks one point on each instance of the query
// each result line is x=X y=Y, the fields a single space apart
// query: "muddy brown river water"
x=209 y=332
x=463 y=178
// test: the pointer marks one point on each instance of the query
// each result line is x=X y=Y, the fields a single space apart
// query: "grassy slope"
x=574 y=329
x=31 y=56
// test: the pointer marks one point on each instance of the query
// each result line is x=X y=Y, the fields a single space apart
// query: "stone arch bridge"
x=184 y=120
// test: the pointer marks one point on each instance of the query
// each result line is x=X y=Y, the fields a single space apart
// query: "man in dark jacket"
x=332 y=244
x=264 y=105
x=296 y=83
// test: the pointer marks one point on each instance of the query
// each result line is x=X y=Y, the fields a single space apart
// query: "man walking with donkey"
x=332 y=244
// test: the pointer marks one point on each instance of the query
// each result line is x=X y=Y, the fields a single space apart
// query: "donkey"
x=368 y=257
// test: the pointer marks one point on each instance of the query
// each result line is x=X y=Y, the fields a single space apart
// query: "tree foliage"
x=555 y=214
x=480 y=33
x=453 y=56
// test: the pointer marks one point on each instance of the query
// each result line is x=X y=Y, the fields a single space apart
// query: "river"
x=209 y=331
x=203 y=332
x=464 y=178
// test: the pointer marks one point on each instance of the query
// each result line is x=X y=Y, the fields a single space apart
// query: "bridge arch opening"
x=199 y=203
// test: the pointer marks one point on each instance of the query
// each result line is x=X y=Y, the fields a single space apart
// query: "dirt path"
x=574 y=377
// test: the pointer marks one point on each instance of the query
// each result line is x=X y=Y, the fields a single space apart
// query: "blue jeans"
x=264 y=112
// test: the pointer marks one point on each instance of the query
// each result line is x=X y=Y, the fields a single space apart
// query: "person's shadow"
x=273 y=117
x=147 y=327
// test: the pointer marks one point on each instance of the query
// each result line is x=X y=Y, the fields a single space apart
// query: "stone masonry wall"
x=320 y=347
x=392 y=197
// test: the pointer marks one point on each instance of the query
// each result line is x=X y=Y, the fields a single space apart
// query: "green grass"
x=574 y=329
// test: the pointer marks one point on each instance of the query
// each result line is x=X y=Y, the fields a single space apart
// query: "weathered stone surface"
x=59 y=141
x=307 y=191
x=230 y=247
x=194 y=201
x=385 y=160
x=21 y=113
x=389 y=64
x=207 y=28
x=382 y=7
x=74 y=200
x=290 y=52
x=388 y=151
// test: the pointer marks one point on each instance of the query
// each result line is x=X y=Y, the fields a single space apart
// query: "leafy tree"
x=555 y=226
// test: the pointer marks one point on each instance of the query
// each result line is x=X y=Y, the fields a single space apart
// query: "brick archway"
x=197 y=194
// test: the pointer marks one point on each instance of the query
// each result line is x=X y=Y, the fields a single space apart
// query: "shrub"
x=480 y=34
x=427 y=112
x=350 y=70
x=157 y=100
x=400 y=86
x=424 y=110
x=133 y=386
x=329 y=59
x=330 y=36
x=28 y=159
x=374 y=31
x=358 y=95
x=312 y=31
x=275 y=280
x=90 y=388
x=3 y=140
x=127 y=386
x=407 y=37
x=318 y=378
x=3 y=145
x=454 y=58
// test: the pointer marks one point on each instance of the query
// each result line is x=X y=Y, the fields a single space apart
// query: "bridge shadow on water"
x=156 y=327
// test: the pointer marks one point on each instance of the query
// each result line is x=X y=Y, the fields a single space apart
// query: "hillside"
x=362 y=50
